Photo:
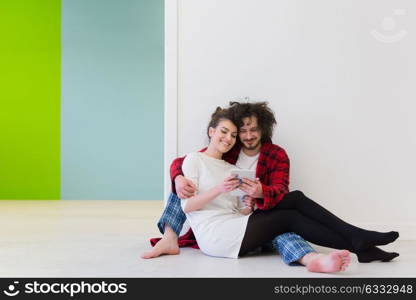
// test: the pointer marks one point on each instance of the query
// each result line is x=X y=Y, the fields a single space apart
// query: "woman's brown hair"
x=219 y=115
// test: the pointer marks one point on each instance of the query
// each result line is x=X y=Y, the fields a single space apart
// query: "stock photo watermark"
x=390 y=31
x=71 y=289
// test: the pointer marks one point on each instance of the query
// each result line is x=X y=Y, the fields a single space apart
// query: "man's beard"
x=254 y=146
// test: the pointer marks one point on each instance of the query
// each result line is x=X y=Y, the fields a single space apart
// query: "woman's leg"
x=263 y=226
x=375 y=253
x=360 y=239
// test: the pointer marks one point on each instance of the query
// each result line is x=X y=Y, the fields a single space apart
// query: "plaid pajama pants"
x=290 y=246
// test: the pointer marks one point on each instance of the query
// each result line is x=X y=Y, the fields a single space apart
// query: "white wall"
x=343 y=94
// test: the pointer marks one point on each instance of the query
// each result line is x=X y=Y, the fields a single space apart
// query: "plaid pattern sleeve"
x=273 y=172
x=176 y=170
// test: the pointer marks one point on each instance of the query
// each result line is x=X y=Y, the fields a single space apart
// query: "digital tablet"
x=240 y=174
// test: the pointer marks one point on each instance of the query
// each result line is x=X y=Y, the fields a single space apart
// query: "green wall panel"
x=30 y=99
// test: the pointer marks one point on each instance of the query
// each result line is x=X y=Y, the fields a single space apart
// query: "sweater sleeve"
x=274 y=192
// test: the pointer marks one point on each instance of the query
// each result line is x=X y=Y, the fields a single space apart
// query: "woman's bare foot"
x=166 y=246
x=333 y=262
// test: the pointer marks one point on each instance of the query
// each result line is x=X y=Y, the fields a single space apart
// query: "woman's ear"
x=211 y=132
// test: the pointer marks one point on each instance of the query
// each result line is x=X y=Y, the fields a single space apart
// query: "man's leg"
x=170 y=225
x=295 y=250
x=173 y=215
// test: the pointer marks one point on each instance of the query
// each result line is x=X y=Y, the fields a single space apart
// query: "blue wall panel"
x=112 y=99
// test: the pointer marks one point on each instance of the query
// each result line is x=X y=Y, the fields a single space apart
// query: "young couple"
x=240 y=136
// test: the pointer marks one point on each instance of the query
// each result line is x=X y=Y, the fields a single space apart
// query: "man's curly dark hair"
x=265 y=116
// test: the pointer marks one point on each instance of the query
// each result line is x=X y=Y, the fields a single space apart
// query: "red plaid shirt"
x=272 y=170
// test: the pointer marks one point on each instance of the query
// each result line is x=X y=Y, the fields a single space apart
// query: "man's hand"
x=185 y=188
x=249 y=201
x=252 y=188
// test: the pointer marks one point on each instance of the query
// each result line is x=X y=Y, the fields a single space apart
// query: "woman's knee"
x=295 y=196
x=297 y=193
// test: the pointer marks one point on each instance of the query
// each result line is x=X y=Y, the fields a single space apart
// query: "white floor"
x=105 y=239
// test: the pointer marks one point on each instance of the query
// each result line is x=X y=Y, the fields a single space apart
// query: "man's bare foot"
x=333 y=262
x=166 y=246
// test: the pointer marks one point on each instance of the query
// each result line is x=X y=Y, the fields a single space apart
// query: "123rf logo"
x=70 y=289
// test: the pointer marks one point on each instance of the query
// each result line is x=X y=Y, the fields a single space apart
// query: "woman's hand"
x=230 y=183
x=200 y=200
